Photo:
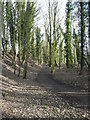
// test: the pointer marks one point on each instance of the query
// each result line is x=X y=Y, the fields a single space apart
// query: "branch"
x=62 y=31
x=88 y=63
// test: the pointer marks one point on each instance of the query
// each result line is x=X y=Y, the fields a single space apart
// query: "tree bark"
x=82 y=38
x=50 y=36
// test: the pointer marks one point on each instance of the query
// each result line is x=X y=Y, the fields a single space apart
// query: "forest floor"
x=42 y=95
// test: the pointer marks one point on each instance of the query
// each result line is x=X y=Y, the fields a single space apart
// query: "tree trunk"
x=3 y=47
x=89 y=31
x=59 y=59
x=82 y=38
x=19 y=55
x=50 y=36
x=3 y=40
x=89 y=42
x=25 y=69
x=14 y=62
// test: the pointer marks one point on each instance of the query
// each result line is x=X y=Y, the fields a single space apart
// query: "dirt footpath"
x=39 y=96
x=76 y=96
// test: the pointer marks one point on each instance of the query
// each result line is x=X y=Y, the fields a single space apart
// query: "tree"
x=81 y=15
x=38 y=39
x=29 y=22
x=3 y=28
x=45 y=45
x=82 y=35
x=14 y=39
x=89 y=27
x=60 y=51
x=55 y=37
x=50 y=39
x=33 y=46
x=54 y=44
x=19 y=35
x=77 y=47
x=11 y=24
x=68 y=35
x=52 y=27
x=23 y=32
x=20 y=30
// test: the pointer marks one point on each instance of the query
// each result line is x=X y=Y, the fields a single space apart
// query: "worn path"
x=75 y=96
x=39 y=96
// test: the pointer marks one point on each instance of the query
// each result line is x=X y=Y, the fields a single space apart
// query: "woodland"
x=45 y=73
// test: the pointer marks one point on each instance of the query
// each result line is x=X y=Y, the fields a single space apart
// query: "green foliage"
x=82 y=35
x=38 y=39
x=29 y=23
x=45 y=55
x=46 y=106
x=32 y=46
x=77 y=46
x=18 y=29
x=68 y=35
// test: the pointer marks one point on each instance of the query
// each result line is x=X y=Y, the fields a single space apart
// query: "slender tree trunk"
x=3 y=47
x=67 y=37
x=82 y=38
x=74 y=56
x=3 y=28
x=54 y=40
x=6 y=40
x=3 y=40
x=89 y=24
x=89 y=42
x=25 y=68
x=19 y=55
x=59 y=59
x=14 y=54
x=14 y=57
x=89 y=31
x=50 y=35
x=19 y=66
x=26 y=56
x=23 y=57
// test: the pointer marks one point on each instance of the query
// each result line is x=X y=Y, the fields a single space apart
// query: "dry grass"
x=72 y=77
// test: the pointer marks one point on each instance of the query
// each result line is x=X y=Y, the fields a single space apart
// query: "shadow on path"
x=75 y=96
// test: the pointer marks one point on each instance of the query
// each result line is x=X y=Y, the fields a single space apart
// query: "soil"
x=43 y=95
